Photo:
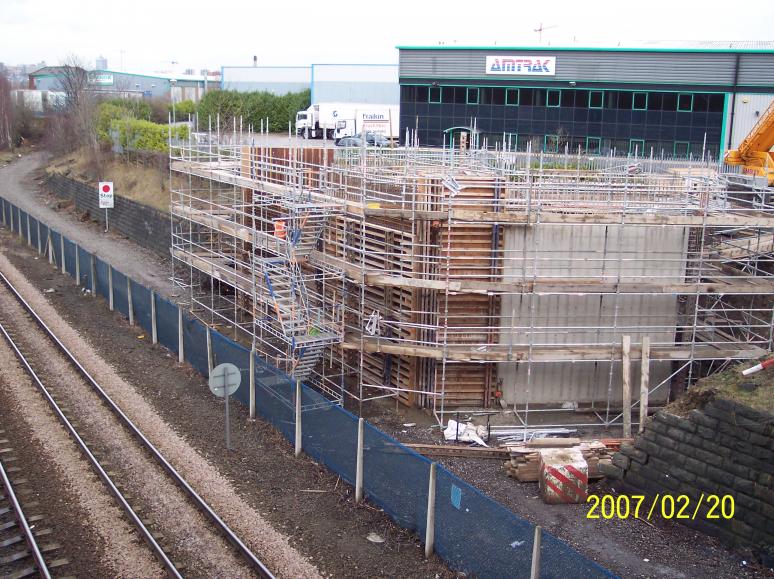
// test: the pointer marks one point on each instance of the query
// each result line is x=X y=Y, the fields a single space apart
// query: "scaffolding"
x=453 y=280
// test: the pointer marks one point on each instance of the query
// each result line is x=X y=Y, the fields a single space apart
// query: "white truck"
x=381 y=120
x=338 y=120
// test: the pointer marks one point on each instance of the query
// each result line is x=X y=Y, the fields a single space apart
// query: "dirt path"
x=142 y=265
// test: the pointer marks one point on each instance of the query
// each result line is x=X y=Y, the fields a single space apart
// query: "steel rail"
x=146 y=534
x=229 y=534
x=29 y=537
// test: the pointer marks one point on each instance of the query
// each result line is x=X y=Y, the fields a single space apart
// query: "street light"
x=173 y=82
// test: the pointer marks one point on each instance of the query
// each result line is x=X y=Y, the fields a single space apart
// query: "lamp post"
x=173 y=82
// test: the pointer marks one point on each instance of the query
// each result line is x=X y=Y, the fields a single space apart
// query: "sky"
x=155 y=35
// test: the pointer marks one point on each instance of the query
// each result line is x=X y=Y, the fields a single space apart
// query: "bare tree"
x=6 y=114
x=79 y=106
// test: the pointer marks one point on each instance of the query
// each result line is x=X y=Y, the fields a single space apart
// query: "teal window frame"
x=638 y=141
x=518 y=97
x=467 y=95
x=430 y=95
x=513 y=140
x=682 y=94
x=598 y=141
x=548 y=96
x=545 y=144
x=634 y=94
x=601 y=99
x=687 y=148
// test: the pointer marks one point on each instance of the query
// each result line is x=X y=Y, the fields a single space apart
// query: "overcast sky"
x=149 y=35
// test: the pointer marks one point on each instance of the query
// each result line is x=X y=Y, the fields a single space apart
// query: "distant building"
x=101 y=63
x=355 y=83
x=675 y=100
x=352 y=83
x=154 y=85
x=276 y=80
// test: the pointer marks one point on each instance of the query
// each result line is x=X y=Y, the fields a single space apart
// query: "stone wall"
x=724 y=448
x=144 y=225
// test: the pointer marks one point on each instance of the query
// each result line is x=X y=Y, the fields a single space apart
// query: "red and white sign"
x=106 y=195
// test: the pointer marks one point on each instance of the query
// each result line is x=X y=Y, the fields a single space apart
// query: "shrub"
x=183 y=109
x=113 y=109
x=141 y=135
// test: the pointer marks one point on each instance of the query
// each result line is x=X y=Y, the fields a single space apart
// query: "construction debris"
x=460 y=451
x=467 y=432
x=524 y=464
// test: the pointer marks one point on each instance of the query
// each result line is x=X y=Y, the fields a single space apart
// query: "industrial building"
x=668 y=100
x=152 y=85
x=472 y=279
x=341 y=83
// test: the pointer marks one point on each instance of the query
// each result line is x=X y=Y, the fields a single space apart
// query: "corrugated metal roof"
x=642 y=45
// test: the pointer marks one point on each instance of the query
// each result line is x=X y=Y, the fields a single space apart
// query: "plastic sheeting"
x=224 y=350
x=103 y=283
x=195 y=344
x=396 y=479
x=120 y=293
x=85 y=260
x=34 y=233
x=141 y=301
x=330 y=434
x=275 y=398
x=166 y=323
x=56 y=241
x=70 y=253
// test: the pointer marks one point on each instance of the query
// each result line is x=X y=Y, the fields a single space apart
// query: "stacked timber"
x=524 y=464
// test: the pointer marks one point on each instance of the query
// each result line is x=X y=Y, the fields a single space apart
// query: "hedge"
x=252 y=107
x=141 y=135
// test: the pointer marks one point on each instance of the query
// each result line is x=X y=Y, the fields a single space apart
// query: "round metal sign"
x=225 y=379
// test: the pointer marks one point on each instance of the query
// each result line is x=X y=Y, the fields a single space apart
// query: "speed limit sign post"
x=106 y=200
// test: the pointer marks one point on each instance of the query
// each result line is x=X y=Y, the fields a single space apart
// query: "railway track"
x=13 y=331
x=20 y=553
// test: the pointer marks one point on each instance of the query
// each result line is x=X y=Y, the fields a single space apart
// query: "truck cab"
x=307 y=122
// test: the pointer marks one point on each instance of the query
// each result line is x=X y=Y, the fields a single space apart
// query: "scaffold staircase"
x=294 y=320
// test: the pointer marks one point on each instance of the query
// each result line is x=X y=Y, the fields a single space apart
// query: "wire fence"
x=472 y=533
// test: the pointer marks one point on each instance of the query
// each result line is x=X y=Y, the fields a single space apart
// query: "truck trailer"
x=337 y=120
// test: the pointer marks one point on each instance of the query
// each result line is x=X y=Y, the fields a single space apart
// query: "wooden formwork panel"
x=467 y=385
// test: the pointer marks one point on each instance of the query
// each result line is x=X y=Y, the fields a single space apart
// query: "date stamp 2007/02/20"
x=666 y=506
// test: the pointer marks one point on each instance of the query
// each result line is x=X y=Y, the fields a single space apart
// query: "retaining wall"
x=724 y=448
x=145 y=225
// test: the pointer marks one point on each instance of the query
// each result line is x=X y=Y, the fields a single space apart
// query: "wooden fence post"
x=644 y=381
x=627 y=385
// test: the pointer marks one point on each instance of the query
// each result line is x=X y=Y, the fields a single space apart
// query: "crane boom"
x=754 y=152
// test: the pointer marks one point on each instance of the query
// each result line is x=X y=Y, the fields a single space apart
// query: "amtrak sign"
x=521 y=65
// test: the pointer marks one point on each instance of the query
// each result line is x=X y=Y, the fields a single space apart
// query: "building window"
x=596 y=99
x=510 y=141
x=434 y=94
x=640 y=101
x=512 y=97
x=636 y=147
x=551 y=143
x=553 y=98
x=472 y=96
x=593 y=145
x=685 y=102
x=682 y=148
